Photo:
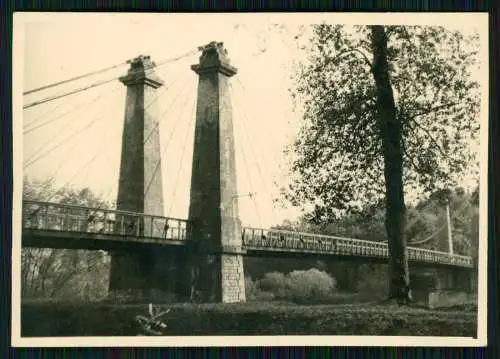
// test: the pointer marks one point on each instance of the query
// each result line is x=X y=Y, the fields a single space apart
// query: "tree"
x=388 y=112
x=51 y=273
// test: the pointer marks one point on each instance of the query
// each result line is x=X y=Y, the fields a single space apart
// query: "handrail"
x=326 y=236
x=75 y=206
x=309 y=234
x=362 y=247
x=56 y=216
x=252 y=236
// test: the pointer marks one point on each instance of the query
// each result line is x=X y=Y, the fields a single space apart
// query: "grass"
x=251 y=318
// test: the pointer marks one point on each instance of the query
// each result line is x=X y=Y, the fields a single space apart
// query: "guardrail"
x=259 y=238
x=72 y=218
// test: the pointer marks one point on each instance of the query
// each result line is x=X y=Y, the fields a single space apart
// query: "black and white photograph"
x=250 y=179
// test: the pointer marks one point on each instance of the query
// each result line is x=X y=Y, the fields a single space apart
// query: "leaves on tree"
x=337 y=155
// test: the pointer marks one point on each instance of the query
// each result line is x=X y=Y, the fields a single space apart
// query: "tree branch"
x=433 y=140
x=61 y=281
x=434 y=109
x=350 y=50
x=410 y=158
x=365 y=57
x=389 y=30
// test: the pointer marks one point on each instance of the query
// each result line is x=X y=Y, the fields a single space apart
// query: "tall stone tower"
x=215 y=228
x=140 y=184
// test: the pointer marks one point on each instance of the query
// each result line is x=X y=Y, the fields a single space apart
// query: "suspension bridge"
x=202 y=253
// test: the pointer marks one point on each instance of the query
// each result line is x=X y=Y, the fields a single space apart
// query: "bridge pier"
x=443 y=286
x=216 y=271
x=135 y=275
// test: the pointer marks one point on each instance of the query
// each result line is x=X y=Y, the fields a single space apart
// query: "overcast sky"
x=262 y=47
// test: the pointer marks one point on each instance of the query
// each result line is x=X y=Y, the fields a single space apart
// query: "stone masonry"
x=213 y=212
x=140 y=184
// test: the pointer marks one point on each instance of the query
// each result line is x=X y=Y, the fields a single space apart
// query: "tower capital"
x=214 y=59
x=141 y=72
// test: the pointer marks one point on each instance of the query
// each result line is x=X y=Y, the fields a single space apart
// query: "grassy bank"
x=264 y=318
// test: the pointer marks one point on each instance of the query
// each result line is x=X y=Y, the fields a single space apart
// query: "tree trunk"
x=390 y=134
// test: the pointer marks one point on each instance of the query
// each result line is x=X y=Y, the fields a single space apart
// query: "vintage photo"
x=182 y=179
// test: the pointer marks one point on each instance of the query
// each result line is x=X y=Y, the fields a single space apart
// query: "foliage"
x=37 y=190
x=275 y=283
x=372 y=284
x=405 y=120
x=298 y=286
x=254 y=293
x=253 y=318
x=426 y=228
x=426 y=225
x=70 y=274
x=63 y=273
x=309 y=285
x=338 y=155
x=153 y=323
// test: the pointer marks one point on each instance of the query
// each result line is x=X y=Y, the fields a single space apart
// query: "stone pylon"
x=215 y=228
x=140 y=184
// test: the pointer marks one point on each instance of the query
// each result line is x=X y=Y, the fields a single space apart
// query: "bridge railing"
x=278 y=239
x=74 y=218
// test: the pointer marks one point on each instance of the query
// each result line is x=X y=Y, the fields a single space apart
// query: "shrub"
x=312 y=284
x=263 y=297
x=373 y=283
x=299 y=286
x=254 y=293
x=275 y=283
x=251 y=288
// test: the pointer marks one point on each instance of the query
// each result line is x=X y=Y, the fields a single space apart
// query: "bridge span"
x=58 y=225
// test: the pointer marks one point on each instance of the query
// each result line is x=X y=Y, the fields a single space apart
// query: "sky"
x=77 y=140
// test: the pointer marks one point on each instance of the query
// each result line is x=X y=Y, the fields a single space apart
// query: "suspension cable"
x=50 y=140
x=101 y=152
x=247 y=136
x=158 y=164
x=429 y=237
x=188 y=131
x=74 y=78
x=101 y=149
x=100 y=83
x=95 y=157
x=52 y=110
x=461 y=208
x=163 y=115
x=245 y=131
x=32 y=160
x=32 y=128
x=252 y=189
x=72 y=92
x=427 y=206
x=51 y=120
x=36 y=158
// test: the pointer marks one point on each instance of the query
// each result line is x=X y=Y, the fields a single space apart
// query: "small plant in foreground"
x=152 y=325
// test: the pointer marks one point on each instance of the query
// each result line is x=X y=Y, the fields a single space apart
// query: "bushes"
x=372 y=283
x=275 y=283
x=254 y=293
x=311 y=285
x=86 y=319
x=298 y=286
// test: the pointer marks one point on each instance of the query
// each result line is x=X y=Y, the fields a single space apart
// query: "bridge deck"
x=53 y=224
